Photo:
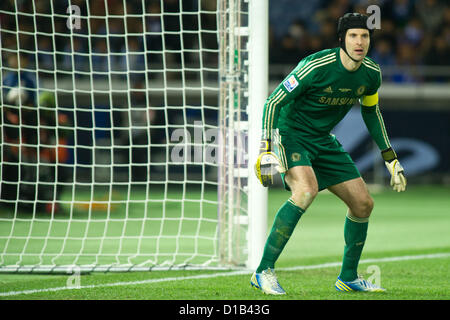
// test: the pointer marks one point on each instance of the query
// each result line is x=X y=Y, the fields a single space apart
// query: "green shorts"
x=330 y=162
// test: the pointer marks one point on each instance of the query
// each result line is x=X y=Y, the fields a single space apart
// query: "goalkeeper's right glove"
x=398 y=180
x=267 y=164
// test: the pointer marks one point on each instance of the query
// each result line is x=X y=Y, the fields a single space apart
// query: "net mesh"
x=110 y=116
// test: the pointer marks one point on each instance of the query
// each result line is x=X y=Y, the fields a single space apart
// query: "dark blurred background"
x=138 y=65
x=413 y=33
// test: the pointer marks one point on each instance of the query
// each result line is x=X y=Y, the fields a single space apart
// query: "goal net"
x=124 y=134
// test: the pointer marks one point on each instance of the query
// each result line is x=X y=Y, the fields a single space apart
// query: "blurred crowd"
x=412 y=32
x=154 y=42
x=107 y=44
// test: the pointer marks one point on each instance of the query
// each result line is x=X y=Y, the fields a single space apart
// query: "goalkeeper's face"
x=357 y=43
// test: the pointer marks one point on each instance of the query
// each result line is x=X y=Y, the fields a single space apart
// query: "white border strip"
x=223 y=274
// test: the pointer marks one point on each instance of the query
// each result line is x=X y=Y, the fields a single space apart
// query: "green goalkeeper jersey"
x=317 y=95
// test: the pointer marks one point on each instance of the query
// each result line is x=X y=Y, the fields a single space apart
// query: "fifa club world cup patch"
x=291 y=83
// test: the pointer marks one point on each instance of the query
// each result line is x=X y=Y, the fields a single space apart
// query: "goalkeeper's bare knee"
x=303 y=197
x=362 y=207
x=303 y=184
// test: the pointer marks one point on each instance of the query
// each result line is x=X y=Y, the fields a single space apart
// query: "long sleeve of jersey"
x=290 y=88
x=371 y=115
x=271 y=111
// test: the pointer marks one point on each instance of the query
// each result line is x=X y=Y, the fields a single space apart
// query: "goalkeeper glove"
x=398 y=180
x=267 y=164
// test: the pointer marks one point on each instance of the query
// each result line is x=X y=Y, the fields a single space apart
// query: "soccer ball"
x=16 y=96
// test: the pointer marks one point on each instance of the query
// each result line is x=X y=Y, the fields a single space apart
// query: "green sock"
x=284 y=224
x=355 y=233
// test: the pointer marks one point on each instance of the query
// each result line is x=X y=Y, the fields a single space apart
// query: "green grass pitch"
x=408 y=243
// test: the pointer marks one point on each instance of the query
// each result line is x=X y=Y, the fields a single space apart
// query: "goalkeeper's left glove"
x=398 y=180
x=267 y=164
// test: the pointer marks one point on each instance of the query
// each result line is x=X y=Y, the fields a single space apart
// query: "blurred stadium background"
x=412 y=48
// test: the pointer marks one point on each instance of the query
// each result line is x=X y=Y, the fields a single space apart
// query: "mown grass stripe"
x=222 y=274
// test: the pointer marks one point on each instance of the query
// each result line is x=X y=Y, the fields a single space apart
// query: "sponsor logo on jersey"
x=337 y=101
x=328 y=90
x=345 y=89
x=291 y=83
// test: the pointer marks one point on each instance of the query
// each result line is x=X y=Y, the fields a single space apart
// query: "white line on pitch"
x=222 y=274
x=390 y=259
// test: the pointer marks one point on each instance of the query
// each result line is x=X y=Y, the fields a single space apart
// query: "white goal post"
x=129 y=130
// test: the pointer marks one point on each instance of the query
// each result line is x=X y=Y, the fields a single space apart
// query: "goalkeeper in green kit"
x=297 y=120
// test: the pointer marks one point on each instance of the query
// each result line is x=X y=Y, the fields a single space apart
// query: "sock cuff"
x=293 y=205
x=356 y=219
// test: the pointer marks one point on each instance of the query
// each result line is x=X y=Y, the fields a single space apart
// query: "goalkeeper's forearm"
x=271 y=112
x=375 y=125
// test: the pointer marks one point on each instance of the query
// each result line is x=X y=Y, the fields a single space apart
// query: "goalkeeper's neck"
x=348 y=62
